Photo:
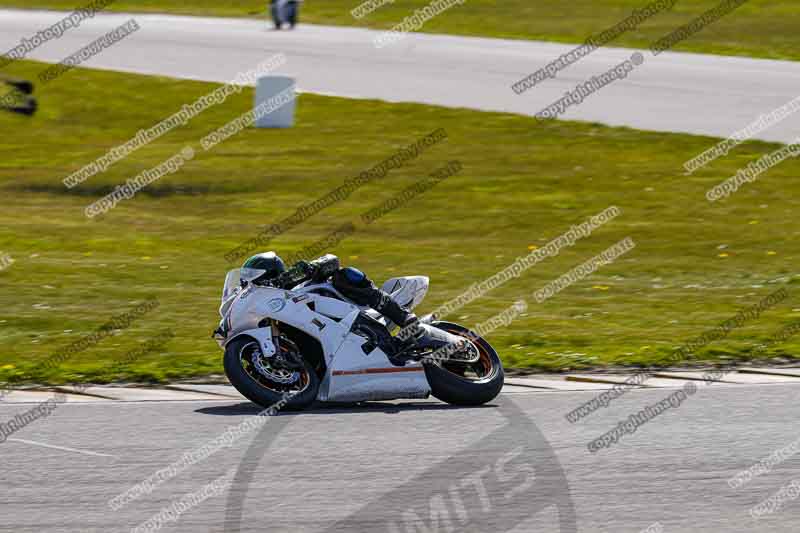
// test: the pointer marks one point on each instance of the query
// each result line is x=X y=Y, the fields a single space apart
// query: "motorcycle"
x=310 y=343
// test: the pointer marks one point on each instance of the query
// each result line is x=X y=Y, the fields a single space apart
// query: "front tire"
x=466 y=384
x=259 y=388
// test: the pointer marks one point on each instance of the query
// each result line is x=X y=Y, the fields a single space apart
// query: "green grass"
x=523 y=183
x=759 y=28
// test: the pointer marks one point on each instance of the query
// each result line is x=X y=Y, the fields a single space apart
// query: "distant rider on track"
x=284 y=11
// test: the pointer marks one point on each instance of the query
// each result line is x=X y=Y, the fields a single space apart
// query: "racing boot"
x=410 y=330
x=406 y=340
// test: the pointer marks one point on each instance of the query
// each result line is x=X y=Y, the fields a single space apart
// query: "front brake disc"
x=278 y=375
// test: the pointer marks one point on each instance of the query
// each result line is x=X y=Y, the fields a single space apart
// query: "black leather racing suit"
x=353 y=284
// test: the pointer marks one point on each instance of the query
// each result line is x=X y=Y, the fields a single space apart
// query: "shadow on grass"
x=102 y=190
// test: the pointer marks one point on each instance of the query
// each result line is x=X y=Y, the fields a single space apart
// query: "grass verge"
x=523 y=183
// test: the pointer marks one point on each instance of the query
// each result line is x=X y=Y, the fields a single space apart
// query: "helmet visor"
x=249 y=274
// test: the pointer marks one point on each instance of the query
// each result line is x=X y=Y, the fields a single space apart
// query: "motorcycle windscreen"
x=232 y=282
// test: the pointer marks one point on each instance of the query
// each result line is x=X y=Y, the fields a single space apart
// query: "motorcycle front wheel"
x=257 y=380
x=461 y=383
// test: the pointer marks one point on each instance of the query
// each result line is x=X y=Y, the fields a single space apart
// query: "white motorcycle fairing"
x=353 y=372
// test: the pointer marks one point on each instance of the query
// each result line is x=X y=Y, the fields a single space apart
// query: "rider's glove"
x=298 y=273
x=324 y=267
x=305 y=267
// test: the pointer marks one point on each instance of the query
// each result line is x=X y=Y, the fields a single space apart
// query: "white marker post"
x=269 y=87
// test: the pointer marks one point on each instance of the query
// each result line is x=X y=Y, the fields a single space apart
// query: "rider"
x=284 y=11
x=269 y=268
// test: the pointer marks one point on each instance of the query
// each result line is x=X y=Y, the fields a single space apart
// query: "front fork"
x=288 y=356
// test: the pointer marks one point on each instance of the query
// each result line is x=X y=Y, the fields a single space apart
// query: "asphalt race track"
x=516 y=465
x=691 y=93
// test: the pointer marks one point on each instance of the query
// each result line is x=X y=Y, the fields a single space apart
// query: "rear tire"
x=260 y=393
x=452 y=382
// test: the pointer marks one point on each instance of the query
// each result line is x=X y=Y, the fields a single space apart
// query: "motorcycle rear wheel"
x=268 y=390
x=466 y=384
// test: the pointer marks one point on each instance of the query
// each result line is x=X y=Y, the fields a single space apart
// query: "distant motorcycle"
x=285 y=12
x=312 y=343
